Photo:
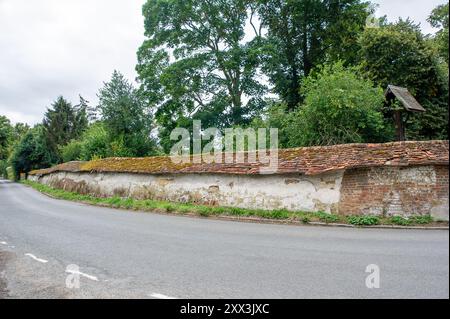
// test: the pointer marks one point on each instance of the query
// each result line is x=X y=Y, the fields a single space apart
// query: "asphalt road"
x=143 y=255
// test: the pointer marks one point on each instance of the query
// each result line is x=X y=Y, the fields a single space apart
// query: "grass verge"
x=208 y=211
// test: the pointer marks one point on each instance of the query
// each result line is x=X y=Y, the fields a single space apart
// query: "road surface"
x=122 y=254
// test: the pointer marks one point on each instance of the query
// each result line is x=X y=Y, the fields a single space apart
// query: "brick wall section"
x=442 y=186
x=395 y=190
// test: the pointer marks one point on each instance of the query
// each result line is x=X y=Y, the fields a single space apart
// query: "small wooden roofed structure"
x=409 y=103
x=406 y=98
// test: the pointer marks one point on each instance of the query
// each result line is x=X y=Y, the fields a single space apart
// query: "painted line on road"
x=161 y=296
x=82 y=274
x=37 y=259
x=3 y=243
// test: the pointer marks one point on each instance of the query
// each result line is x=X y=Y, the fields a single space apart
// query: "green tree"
x=6 y=131
x=439 y=19
x=71 y=151
x=347 y=111
x=82 y=116
x=197 y=62
x=32 y=152
x=63 y=122
x=398 y=54
x=302 y=34
x=125 y=116
x=19 y=130
x=95 y=143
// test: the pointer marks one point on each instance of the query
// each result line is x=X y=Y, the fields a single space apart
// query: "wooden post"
x=400 y=127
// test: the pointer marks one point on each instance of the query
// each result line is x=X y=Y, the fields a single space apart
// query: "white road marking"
x=3 y=243
x=161 y=296
x=82 y=274
x=37 y=259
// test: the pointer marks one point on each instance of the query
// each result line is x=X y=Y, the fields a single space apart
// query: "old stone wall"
x=405 y=191
x=289 y=191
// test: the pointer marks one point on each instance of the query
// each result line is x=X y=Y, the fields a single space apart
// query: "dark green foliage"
x=32 y=152
x=213 y=68
x=398 y=54
x=126 y=119
x=18 y=131
x=303 y=34
x=439 y=20
x=348 y=111
x=94 y=143
x=71 y=151
x=62 y=123
x=6 y=131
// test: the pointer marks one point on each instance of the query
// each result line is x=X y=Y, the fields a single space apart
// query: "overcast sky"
x=69 y=47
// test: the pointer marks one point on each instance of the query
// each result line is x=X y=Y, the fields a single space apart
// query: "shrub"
x=72 y=151
x=95 y=142
x=340 y=107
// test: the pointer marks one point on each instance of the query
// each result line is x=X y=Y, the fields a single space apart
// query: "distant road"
x=144 y=255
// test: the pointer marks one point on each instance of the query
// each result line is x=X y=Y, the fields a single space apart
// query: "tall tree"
x=439 y=20
x=126 y=118
x=5 y=136
x=302 y=34
x=398 y=54
x=82 y=115
x=198 y=63
x=32 y=152
x=63 y=122
x=19 y=130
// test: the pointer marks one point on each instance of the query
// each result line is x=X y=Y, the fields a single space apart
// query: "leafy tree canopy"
x=63 y=122
x=439 y=19
x=303 y=34
x=125 y=116
x=198 y=63
x=32 y=152
x=398 y=54
x=5 y=134
x=348 y=111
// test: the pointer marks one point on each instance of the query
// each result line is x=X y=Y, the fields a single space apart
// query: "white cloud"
x=69 y=47
x=63 y=47
x=417 y=10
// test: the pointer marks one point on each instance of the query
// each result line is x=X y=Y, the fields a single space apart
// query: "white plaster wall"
x=291 y=191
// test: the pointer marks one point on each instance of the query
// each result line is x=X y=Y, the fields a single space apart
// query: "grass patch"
x=206 y=211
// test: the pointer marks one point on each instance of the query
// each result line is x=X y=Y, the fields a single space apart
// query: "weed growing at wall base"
x=211 y=211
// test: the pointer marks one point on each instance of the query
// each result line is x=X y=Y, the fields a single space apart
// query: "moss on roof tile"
x=306 y=160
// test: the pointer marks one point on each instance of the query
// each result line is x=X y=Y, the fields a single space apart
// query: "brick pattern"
x=307 y=160
x=394 y=191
